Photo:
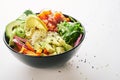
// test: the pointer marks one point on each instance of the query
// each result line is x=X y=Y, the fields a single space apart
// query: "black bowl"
x=45 y=61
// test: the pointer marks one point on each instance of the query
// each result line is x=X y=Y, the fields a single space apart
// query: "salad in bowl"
x=46 y=33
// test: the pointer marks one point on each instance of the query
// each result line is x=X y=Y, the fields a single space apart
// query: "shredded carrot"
x=67 y=19
x=28 y=52
x=39 y=51
x=22 y=50
x=47 y=12
x=29 y=46
x=44 y=14
x=45 y=51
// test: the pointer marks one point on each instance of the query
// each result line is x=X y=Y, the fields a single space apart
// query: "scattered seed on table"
x=94 y=56
x=92 y=67
x=59 y=71
x=77 y=66
x=85 y=61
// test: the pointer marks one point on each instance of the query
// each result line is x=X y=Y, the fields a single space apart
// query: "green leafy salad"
x=43 y=34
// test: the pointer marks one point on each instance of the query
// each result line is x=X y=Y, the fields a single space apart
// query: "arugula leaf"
x=70 y=31
x=27 y=12
x=24 y=15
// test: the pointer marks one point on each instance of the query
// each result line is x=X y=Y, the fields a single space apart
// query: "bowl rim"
x=81 y=40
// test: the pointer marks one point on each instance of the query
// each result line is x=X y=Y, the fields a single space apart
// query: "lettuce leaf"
x=70 y=31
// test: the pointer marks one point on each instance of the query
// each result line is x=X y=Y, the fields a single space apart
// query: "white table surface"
x=100 y=49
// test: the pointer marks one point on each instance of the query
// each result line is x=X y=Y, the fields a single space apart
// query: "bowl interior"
x=6 y=40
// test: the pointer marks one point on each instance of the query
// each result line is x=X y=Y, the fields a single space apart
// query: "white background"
x=100 y=49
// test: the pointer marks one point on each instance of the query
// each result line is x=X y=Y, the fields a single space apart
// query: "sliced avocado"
x=11 y=37
x=11 y=30
x=17 y=27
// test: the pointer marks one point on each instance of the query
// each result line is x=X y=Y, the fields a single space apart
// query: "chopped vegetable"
x=39 y=51
x=29 y=46
x=52 y=19
x=18 y=42
x=20 y=32
x=45 y=51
